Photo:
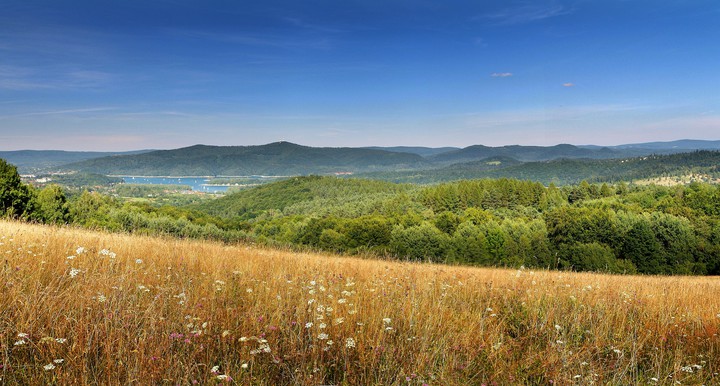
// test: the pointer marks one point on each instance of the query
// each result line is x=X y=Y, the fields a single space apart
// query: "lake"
x=198 y=184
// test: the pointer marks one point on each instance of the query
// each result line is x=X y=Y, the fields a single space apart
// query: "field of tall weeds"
x=82 y=307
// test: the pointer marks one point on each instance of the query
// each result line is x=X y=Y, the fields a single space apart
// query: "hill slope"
x=525 y=153
x=568 y=171
x=280 y=158
x=138 y=308
x=30 y=161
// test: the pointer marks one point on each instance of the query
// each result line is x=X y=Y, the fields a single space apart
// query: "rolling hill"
x=31 y=161
x=525 y=153
x=567 y=171
x=279 y=158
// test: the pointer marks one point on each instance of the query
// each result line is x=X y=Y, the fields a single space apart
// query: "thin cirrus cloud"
x=568 y=84
x=501 y=74
x=63 y=112
x=523 y=14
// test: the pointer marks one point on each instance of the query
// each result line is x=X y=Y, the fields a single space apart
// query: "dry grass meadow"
x=81 y=307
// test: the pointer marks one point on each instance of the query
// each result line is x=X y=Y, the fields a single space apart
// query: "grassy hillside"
x=280 y=158
x=79 y=307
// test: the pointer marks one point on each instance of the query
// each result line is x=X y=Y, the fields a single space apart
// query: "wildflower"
x=19 y=343
x=49 y=367
x=322 y=325
x=323 y=336
x=79 y=251
x=215 y=369
x=225 y=333
x=138 y=261
x=60 y=340
x=558 y=327
x=342 y=301
x=339 y=320
x=59 y=361
x=243 y=339
x=386 y=320
x=101 y=298
x=330 y=343
x=350 y=343
x=22 y=335
x=71 y=257
x=249 y=290
x=223 y=377
x=308 y=324
x=176 y=335
x=244 y=366
x=74 y=272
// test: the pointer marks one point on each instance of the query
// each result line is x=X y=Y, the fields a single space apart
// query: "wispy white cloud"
x=525 y=13
x=300 y=23
x=15 y=77
x=60 y=112
x=568 y=84
x=501 y=74
x=262 y=40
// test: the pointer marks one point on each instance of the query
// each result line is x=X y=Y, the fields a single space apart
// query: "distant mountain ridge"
x=29 y=161
x=419 y=150
x=682 y=144
x=525 y=153
x=278 y=158
x=285 y=158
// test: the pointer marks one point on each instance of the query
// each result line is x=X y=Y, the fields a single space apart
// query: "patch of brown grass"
x=166 y=311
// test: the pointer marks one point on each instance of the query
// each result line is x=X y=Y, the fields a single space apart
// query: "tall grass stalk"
x=82 y=307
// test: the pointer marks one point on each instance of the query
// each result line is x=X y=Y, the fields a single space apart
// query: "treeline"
x=501 y=222
x=586 y=227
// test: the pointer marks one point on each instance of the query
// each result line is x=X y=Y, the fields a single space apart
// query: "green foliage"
x=16 y=198
x=419 y=242
x=566 y=171
x=51 y=205
x=594 y=257
x=147 y=190
x=504 y=222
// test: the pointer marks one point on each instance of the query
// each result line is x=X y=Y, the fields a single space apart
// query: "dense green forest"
x=279 y=159
x=491 y=222
x=566 y=171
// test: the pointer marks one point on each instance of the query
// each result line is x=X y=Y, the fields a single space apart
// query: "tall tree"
x=15 y=196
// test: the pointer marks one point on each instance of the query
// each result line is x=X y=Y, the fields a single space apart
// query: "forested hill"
x=280 y=158
x=526 y=153
x=30 y=161
x=570 y=171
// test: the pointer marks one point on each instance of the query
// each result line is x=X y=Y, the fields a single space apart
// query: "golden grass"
x=167 y=311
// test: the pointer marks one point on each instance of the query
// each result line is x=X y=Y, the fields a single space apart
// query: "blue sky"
x=122 y=75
